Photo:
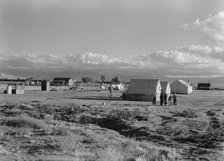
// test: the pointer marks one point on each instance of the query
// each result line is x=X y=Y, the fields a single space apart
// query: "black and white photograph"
x=111 y=80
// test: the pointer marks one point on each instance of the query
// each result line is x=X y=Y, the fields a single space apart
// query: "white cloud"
x=212 y=27
x=184 y=60
x=194 y=76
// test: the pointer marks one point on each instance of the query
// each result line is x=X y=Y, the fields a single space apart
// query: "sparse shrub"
x=45 y=109
x=215 y=123
x=160 y=154
x=6 y=132
x=81 y=155
x=67 y=143
x=186 y=114
x=205 y=140
x=22 y=131
x=63 y=131
x=48 y=118
x=35 y=115
x=3 y=129
x=210 y=113
x=23 y=120
x=111 y=154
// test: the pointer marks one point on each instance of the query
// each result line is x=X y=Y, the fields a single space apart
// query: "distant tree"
x=29 y=78
x=115 y=79
x=103 y=78
x=87 y=79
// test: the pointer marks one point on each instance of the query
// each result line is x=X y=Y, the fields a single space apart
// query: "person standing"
x=154 y=100
x=165 y=99
x=174 y=99
x=110 y=89
x=161 y=97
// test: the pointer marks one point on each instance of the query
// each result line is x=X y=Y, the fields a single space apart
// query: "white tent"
x=166 y=88
x=181 y=87
x=118 y=86
x=144 y=89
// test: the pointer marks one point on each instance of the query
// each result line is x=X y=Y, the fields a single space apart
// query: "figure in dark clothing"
x=110 y=90
x=124 y=95
x=174 y=99
x=165 y=99
x=154 y=100
x=161 y=98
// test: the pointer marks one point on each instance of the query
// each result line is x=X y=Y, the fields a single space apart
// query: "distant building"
x=62 y=81
x=204 y=86
x=12 y=81
x=15 y=89
x=144 y=89
x=34 y=82
x=45 y=85
x=181 y=87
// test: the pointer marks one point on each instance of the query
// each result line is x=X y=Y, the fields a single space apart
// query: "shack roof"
x=61 y=79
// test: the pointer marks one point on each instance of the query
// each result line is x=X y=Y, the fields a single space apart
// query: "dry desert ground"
x=75 y=125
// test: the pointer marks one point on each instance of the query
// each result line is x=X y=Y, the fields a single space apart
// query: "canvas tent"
x=181 y=87
x=166 y=88
x=144 y=89
x=118 y=86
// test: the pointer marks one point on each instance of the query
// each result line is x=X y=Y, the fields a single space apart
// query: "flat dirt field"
x=91 y=126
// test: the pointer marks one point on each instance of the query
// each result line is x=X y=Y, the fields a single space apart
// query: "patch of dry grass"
x=23 y=120
x=60 y=130
x=67 y=143
x=111 y=153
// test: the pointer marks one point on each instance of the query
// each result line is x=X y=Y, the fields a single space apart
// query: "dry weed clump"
x=210 y=139
x=23 y=120
x=3 y=130
x=67 y=143
x=111 y=153
x=210 y=113
x=160 y=154
x=17 y=131
x=186 y=114
x=81 y=155
x=222 y=152
x=70 y=145
x=60 y=130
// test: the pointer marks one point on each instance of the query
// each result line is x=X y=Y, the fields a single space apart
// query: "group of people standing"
x=166 y=100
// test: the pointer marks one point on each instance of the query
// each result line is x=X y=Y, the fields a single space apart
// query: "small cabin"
x=204 y=86
x=15 y=89
x=181 y=87
x=62 y=81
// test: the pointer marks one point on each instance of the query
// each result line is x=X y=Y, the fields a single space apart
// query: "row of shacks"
x=18 y=86
x=147 y=89
x=58 y=81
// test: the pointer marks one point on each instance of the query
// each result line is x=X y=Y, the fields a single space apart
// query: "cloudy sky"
x=170 y=38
